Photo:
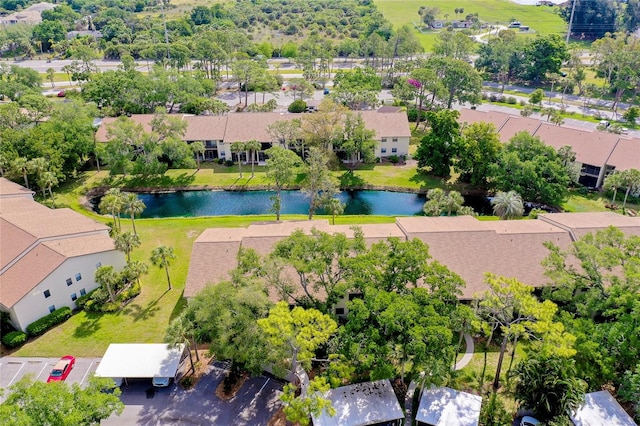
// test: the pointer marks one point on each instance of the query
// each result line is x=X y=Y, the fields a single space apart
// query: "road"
x=13 y=369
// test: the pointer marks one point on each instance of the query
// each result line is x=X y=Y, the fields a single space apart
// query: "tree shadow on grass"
x=181 y=304
x=89 y=326
x=182 y=179
x=428 y=181
x=350 y=179
x=142 y=314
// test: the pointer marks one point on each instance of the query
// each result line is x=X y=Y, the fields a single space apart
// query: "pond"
x=241 y=203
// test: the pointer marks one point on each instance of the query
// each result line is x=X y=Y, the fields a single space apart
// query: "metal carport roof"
x=140 y=360
x=601 y=409
x=361 y=404
x=444 y=406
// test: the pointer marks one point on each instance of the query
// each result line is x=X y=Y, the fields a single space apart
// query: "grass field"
x=542 y=20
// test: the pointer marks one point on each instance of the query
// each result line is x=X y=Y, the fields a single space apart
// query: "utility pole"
x=573 y=10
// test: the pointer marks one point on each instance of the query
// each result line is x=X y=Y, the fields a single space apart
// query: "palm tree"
x=630 y=179
x=40 y=165
x=253 y=146
x=126 y=242
x=181 y=330
x=507 y=205
x=112 y=203
x=134 y=270
x=48 y=180
x=162 y=256
x=613 y=182
x=335 y=207
x=108 y=277
x=132 y=206
x=198 y=149
x=22 y=166
x=237 y=148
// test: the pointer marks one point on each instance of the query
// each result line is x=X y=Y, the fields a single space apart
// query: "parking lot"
x=13 y=369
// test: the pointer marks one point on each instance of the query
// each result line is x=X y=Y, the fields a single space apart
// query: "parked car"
x=62 y=94
x=62 y=369
x=529 y=421
x=161 y=382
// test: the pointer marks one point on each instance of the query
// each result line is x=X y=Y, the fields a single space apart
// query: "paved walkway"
x=468 y=353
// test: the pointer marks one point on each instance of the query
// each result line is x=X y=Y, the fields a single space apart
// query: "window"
x=74 y=297
x=78 y=276
x=69 y=282
x=394 y=140
x=99 y=264
x=339 y=311
x=394 y=149
x=47 y=294
x=83 y=292
x=383 y=150
x=52 y=308
x=354 y=296
x=384 y=140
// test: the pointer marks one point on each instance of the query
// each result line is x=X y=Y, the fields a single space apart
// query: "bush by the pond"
x=56 y=317
x=14 y=339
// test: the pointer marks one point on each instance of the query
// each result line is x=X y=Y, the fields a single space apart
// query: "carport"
x=140 y=361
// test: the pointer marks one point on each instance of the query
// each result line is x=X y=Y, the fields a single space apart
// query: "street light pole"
x=573 y=10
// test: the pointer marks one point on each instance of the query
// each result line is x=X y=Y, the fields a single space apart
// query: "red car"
x=62 y=369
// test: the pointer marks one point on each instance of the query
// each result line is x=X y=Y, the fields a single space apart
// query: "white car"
x=161 y=382
x=529 y=421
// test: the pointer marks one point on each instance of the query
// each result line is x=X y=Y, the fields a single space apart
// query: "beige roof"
x=42 y=222
x=626 y=154
x=584 y=223
x=35 y=240
x=27 y=273
x=518 y=124
x=590 y=147
x=12 y=189
x=81 y=245
x=473 y=116
x=143 y=119
x=246 y=126
x=386 y=125
x=205 y=127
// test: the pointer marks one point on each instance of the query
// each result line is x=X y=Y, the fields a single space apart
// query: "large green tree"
x=32 y=402
x=357 y=89
x=319 y=184
x=282 y=165
x=477 y=149
x=436 y=149
x=532 y=169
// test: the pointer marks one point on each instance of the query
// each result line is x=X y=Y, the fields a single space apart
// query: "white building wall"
x=35 y=305
x=386 y=146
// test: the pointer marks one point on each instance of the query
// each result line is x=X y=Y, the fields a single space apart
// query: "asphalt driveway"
x=255 y=403
x=13 y=369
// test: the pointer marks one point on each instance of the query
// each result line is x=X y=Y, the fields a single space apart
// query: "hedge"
x=14 y=339
x=297 y=106
x=56 y=317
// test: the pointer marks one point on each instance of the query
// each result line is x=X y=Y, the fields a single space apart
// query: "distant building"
x=218 y=132
x=48 y=257
x=31 y=15
x=96 y=35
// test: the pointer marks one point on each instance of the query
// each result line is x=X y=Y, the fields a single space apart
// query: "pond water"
x=240 y=203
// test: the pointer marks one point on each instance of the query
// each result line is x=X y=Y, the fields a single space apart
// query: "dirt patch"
x=226 y=393
x=190 y=379
x=280 y=419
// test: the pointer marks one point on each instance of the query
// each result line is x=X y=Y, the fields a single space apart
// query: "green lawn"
x=542 y=20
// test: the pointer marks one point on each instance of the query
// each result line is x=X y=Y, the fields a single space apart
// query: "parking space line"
x=46 y=364
x=16 y=375
x=85 y=374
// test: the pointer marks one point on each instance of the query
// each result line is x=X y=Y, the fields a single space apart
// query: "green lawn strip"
x=542 y=20
x=145 y=318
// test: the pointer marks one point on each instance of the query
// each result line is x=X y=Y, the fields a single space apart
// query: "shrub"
x=14 y=339
x=129 y=293
x=221 y=161
x=412 y=115
x=493 y=98
x=297 y=106
x=394 y=159
x=56 y=317
x=511 y=100
x=228 y=163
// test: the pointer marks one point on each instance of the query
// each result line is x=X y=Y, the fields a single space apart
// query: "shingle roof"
x=498 y=119
x=143 y=119
x=246 y=126
x=35 y=240
x=28 y=272
x=467 y=246
x=626 y=154
x=515 y=125
x=12 y=189
x=205 y=127
x=389 y=124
